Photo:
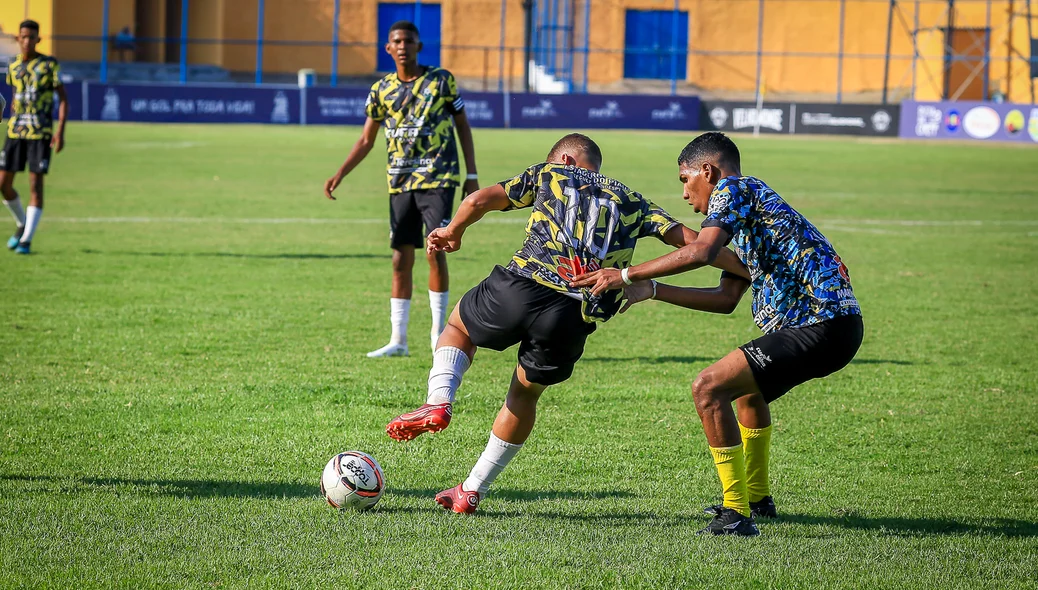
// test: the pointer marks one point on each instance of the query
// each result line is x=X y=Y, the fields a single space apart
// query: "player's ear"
x=568 y=160
x=419 y=45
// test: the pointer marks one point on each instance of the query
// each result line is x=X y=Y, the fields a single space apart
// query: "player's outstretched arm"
x=357 y=154
x=701 y=252
x=680 y=236
x=468 y=149
x=723 y=298
x=472 y=209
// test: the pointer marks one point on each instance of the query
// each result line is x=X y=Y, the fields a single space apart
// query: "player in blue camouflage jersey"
x=581 y=220
x=419 y=108
x=802 y=301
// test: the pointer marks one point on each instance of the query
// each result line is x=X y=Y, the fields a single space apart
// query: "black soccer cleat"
x=730 y=522
x=763 y=508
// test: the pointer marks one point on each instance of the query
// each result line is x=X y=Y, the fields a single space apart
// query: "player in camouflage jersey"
x=581 y=220
x=419 y=107
x=802 y=301
x=35 y=79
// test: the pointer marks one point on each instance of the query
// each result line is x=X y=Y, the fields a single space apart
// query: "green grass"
x=172 y=385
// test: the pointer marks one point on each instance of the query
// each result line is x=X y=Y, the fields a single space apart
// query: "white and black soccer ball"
x=352 y=480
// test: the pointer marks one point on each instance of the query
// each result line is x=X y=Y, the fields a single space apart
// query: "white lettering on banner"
x=209 y=107
x=479 y=110
x=768 y=118
x=183 y=106
x=611 y=110
x=331 y=106
x=542 y=111
x=829 y=120
x=927 y=120
x=673 y=112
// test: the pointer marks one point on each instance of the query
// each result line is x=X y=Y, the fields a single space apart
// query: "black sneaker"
x=730 y=522
x=764 y=508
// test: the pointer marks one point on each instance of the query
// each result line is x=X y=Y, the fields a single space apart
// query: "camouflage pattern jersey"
x=419 y=127
x=582 y=221
x=32 y=83
x=798 y=279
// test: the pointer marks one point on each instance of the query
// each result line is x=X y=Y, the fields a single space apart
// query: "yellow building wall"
x=83 y=18
x=722 y=34
x=14 y=12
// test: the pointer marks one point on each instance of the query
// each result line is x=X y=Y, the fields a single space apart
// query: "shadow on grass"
x=652 y=360
x=655 y=360
x=285 y=256
x=201 y=488
x=521 y=495
x=914 y=527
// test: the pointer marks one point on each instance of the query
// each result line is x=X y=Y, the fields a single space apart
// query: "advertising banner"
x=802 y=118
x=970 y=121
x=603 y=111
x=772 y=117
x=846 y=119
x=193 y=104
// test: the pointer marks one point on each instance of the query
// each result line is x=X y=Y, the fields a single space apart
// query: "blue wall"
x=654 y=47
x=427 y=19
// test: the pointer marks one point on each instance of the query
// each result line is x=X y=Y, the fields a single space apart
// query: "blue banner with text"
x=193 y=104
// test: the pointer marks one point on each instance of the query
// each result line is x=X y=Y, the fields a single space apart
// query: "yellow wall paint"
x=13 y=12
x=722 y=35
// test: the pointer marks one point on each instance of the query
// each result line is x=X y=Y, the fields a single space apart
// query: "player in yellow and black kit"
x=34 y=79
x=419 y=107
x=581 y=221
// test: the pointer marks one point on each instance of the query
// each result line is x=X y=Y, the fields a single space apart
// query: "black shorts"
x=784 y=359
x=19 y=152
x=507 y=309
x=409 y=210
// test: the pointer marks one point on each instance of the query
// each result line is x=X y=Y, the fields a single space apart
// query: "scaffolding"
x=962 y=67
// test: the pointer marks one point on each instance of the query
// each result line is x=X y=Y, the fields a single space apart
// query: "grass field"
x=185 y=350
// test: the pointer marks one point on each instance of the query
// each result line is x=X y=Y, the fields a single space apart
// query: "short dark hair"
x=581 y=142
x=31 y=25
x=708 y=146
x=404 y=25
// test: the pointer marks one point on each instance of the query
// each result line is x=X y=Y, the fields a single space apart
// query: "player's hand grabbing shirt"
x=581 y=221
x=419 y=126
x=798 y=279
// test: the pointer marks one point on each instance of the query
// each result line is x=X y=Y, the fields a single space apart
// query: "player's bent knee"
x=706 y=391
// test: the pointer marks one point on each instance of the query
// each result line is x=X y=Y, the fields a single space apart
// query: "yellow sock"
x=731 y=468
x=757 y=445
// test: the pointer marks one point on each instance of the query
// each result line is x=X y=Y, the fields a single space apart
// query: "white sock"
x=399 y=314
x=491 y=463
x=32 y=219
x=438 y=304
x=449 y=364
x=15 y=207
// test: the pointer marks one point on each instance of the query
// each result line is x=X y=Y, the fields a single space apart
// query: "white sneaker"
x=390 y=349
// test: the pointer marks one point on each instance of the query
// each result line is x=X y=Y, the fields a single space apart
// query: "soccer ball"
x=352 y=480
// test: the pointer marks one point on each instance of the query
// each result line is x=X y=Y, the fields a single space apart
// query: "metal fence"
x=901 y=49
